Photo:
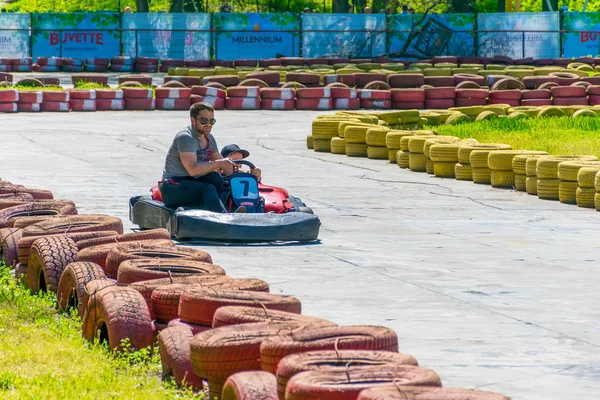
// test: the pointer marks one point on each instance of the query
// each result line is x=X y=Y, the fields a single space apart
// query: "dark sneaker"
x=241 y=209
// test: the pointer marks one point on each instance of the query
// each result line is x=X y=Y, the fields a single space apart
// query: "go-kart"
x=272 y=215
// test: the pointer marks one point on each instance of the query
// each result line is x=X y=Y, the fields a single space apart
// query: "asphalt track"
x=494 y=289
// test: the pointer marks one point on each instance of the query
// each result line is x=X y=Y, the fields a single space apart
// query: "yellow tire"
x=463 y=172
x=531 y=185
x=325 y=129
x=432 y=119
x=376 y=136
x=400 y=117
x=457 y=118
x=502 y=160
x=517 y=115
x=482 y=175
x=322 y=145
x=585 y=197
x=392 y=138
x=567 y=192
x=470 y=111
x=392 y=155
x=402 y=159
x=569 y=170
x=342 y=126
x=404 y=142
x=520 y=182
x=597 y=201
x=502 y=179
x=547 y=189
x=550 y=112
x=417 y=143
x=309 y=142
x=486 y=115
x=519 y=164
x=586 y=177
x=437 y=139
x=417 y=162
x=356 y=149
x=429 y=166
x=547 y=167
x=444 y=169
x=377 y=152
x=584 y=114
x=465 y=149
x=356 y=134
x=338 y=145
x=444 y=152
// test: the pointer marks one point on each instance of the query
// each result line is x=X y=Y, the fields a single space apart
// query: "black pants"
x=203 y=192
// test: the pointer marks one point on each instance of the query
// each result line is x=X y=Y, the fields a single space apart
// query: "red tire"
x=9 y=96
x=313 y=93
x=440 y=93
x=196 y=329
x=274 y=104
x=568 y=91
x=146 y=60
x=343 y=93
x=330 y=338
x=29 y=107
x=565 y=78
x=346 y=385
x=393 y=392
x=346 y=104
x=304 y=78
x=126 y=237
x=9 y=238
x=505 y=94
x=195 y=64
x=140 y=78
x=242 y=103
x=269 y=62
x=533 y=82
x=9 y=107
x=93 y=287
x=594 y=100
x=299 y=61
x=72 y=283
x=174 y=348
x=477 y=79
x=225 y=80
x=471 y=93
x=245 y=63
x=172 y=104
x=109 y=94
x=408 y=95
x=173 y=93
x=131 y=271
x=345 y=78
x=199 y=306
x=243 y=91
x=188 y=81
x=536 y=102
x=376 y=104
x=82 y=105
x=536 y=94
x=80 y=94
x=56 y=96
x=462 y=102
x=55 y=106
x=512 y=103
x=49 y=256
x=270 y=78
x=277 y=94
x=30 y=97
x=75 y=224
x=406 y=80
x=438 y=104
x=136 y=93
x=408 y=105
x=439 y=81
x=140 y=104
x=361 y=79
x=233 y=315
x=24 y=222
x=146 y=68
x=570 y=101
x=209 y=91
x=141 y=250
x=110 y=105
x=118 y=313
x=368 y=94
x=314 y=104
x=217 y=102
x=55 y=208
x=328 y=360
x=37 y=194
x=250 y=385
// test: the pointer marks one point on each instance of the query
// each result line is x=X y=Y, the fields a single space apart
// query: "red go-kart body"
x=276 y=198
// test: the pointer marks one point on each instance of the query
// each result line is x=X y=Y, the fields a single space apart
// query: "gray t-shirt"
x=187 y=141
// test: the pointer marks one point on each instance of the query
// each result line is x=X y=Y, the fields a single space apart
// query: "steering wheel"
x=245 y=162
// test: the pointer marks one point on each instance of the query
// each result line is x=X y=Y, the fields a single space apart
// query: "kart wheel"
x=307 y=210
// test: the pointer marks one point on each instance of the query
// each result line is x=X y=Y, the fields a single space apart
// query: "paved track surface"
x=494 y=289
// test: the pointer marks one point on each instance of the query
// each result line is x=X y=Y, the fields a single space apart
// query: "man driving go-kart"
x=193 y=165
x=204 y=194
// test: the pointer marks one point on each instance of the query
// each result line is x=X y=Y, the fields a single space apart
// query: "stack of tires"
x=594 y=95
x=536 y=97
x=375 y=99
x=169 y=98
x=82 y=99
x=23 y=64
x=121 y=64
x=548 y=182
x=376 y=143
x=568 y=189
x=344 y=98
x=278 y=98
x=137 y=98
x=146 y=64
x=406 y=99
x=501 y=165
x=569 y=96
x=30 y=101
x=55 y=101
x=97 y=64
x=466 y=97
x=243 y=98
x=167 y=63
x=6 y=64
x=586 y=191
x=47 y=64
x=109 y=100
x=71 y=65
x=314 y=99
x=440 y=97
x=8 y=100
x=213 y=96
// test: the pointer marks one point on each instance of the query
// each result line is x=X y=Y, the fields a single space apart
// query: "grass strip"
x=43 y=355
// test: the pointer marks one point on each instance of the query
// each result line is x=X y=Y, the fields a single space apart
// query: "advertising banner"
x=511 y=41
x=14 y=38
x=425 y=36
x=161 y=35
x=343 y=35
x=585 y=41
x=254 y=36
x=77 y=35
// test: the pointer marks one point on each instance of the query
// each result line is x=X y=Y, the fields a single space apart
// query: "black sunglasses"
x=204 y=121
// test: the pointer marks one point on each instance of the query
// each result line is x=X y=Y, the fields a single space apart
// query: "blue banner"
x=14 y=41
x=343 y=35
x=76 y=35
x=254 y=36
x=586 y=40
x=519 y=44
x=180 y=36
x=426 y=36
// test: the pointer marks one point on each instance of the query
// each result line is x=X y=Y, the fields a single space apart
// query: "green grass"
x=33 y=88
x=555 y=135
x=90 y=85
x=43 y=356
